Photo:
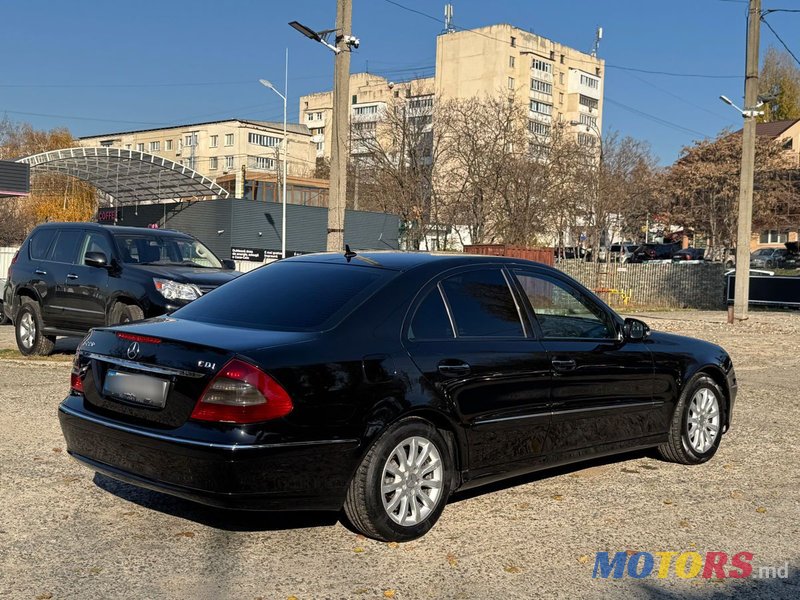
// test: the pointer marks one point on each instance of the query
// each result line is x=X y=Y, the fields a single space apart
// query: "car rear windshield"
x=292 y=295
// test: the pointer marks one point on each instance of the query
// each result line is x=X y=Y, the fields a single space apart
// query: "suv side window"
x=482 y=304
x=40 y=243
x=563 y=312
x=65 y=249
x=96 y=241
x=430 y=320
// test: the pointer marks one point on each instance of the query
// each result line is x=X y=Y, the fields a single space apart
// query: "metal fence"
x=652 y=285
x=6 y=254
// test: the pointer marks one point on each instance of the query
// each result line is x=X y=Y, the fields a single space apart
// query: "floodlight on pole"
x=267 y=84
x=317 y=36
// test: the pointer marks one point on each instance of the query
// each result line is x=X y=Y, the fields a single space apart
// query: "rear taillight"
x=242 y=393
x=76 y=376
x=13 y=260
x=132 y=337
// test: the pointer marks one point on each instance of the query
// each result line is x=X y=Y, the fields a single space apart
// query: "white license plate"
x=136 y=389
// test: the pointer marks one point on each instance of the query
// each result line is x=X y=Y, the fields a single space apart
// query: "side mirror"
x=635 y=330
x=228 y=264
x=96 y=259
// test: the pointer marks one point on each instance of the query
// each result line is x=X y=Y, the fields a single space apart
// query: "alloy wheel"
x=411 y=483
x=27 y=330
x=703 y=420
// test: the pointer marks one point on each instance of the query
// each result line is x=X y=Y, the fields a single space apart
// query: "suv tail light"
x=242 y=393
x=13 y=260
x=76 y=377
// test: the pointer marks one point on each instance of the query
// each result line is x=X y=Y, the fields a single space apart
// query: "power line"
x=775 y=33
x=672 y=74
x=656 y=119
x=33 y=114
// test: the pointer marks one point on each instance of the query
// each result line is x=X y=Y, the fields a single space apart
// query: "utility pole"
x=745 y=224
x=341 y=119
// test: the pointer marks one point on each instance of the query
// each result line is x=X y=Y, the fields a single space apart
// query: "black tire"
x=364 y=505
x=125 y=313
x=678 y=448
x=28 y=330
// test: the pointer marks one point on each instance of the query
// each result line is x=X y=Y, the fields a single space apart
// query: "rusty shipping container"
x=541 y=255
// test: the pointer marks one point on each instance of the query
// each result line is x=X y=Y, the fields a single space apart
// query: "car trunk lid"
x=154 y=372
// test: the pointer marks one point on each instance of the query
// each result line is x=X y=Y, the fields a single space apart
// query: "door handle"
x=563 y=364
x=454 y=368
x=71 y=276
x=40 y=272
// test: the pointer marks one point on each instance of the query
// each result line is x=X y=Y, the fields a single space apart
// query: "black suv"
x=69 y=277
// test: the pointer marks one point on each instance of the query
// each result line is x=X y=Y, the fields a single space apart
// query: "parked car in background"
x=621 y=252
x=380 y=383
x=768 y=258
x=69 y=277
x=3 y=318
x=689 y=255
x=571 y=253
x=648 y=252
x=791 y=260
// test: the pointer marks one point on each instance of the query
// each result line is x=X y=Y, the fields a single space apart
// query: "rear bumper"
x=280 y=475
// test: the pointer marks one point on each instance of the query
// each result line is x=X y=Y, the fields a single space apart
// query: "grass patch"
x=11 y=354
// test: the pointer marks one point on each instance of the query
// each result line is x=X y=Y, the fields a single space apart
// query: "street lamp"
x=269 y=85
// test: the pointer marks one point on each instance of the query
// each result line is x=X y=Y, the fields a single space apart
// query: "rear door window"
x=482 y=304
x=40 y=243
x=65 y=249
x=288 y=295
x=430 y=320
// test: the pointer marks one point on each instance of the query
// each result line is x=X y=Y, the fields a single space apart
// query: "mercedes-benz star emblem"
x=133 y=350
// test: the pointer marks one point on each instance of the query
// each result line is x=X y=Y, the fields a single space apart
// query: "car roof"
x=404 y=261
x=113 y=228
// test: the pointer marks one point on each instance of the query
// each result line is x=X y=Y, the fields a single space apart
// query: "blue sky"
x=98 y=67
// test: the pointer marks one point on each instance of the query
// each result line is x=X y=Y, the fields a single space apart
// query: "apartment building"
x=243 y=156
x=555 y=83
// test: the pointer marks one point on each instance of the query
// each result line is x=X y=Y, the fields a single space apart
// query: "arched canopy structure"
x=126 y=176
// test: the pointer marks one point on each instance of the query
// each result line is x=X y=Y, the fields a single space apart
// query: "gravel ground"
x=65 y=533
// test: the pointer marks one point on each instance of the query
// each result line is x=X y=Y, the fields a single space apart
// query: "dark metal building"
x=15 y=179
x=250 y=230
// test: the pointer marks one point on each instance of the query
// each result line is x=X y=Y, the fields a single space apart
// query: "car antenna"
x=349 y=254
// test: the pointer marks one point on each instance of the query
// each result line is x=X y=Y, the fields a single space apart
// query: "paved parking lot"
x=66 y=533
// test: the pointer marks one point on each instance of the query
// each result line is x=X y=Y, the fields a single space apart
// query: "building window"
x=561 y=97
x=140 y=147
x=540 y=65
x=541 y=107
x=562 y=59
x=229 y=139
x=512 y=61
x=190 y=139
x=590 y=103
x=263 y=140
x=127 y=146
x=513 y=42
x=588 y=120
x=228 y=162
x=366 y=110
x=420 y=102
x=213 y=141
x=168 y=145
x=317 y=131
x=773 y=236
x=155 y=146
x=190 y=162
x=319 y=116
x=537 y=85
x=355 y=99
x=262 y=162
x=511 y=83
x=107 y=143
x=320 y=146
x=561 y=78
x=213 y=163
x=587 y=139
x=365 y=126
x=590 y=82
x=310 y=116
x=540 y=129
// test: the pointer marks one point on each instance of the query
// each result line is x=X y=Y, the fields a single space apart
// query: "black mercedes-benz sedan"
x=382 y=382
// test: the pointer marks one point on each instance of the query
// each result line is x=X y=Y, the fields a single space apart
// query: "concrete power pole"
x=341 y=125
x=745 y=225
